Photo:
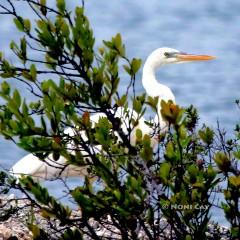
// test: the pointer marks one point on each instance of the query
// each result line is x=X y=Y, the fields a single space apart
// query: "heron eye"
x=167 y=54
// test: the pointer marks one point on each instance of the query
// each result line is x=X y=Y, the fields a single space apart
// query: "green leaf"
x=108 y=44
x=43 y=2
x=152 y=101
x=137 y=105
x=164 y=171
x=27 y=75
x=24 y=109
x=61 y=5
x=7 y=75
x=237 y=154
x=117 y=194
x=51 y=63
x=17 y=98
x=227 y=210
x=27 y=25
x=5 y=88
x=120 y=102
x=135 y=65
x=19 y=23
x=206 y=135
x=170 y=151
x=118 y=40
x=33 y=72
x=101 y=51
x=139 y=134
x=23 y=47
x=83 y=200
x=147 y=151
x=43 y=8
x=102 y=134
x=43 y=123
x=235 y=232
x=211 y=172
x=65 y=29
x=234 y=180
x=227 y=194
x=7 y=70
x=188 y=237
x=170 y=111
x=127 y=69
x=13 y=108
x=222 y=161
x=198 y=185
x=193 y=170
x=133 y=182
x=13 y=124
x=13 y=45
x=46 y=85
x=150 y=215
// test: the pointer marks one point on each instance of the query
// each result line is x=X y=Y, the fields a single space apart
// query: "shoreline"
x=15 y=226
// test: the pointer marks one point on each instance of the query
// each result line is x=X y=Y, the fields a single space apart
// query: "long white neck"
x=150 y=83
x=153 y=87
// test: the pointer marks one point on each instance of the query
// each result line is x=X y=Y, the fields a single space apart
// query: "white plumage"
x=50 y=168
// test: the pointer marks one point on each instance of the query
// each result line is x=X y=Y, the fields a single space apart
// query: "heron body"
x=50 y=168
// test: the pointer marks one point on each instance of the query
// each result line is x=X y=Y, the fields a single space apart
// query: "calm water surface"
x=202 y=27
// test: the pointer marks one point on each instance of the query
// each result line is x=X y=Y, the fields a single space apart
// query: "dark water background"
x=204 y=27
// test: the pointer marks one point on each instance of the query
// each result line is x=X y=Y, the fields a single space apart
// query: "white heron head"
x=165 y=55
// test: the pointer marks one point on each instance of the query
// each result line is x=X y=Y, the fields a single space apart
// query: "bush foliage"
x=135 y=187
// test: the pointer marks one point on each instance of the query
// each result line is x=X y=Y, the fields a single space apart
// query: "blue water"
x=202 y=27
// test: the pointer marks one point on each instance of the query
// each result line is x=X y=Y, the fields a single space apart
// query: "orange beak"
x=193 y=57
